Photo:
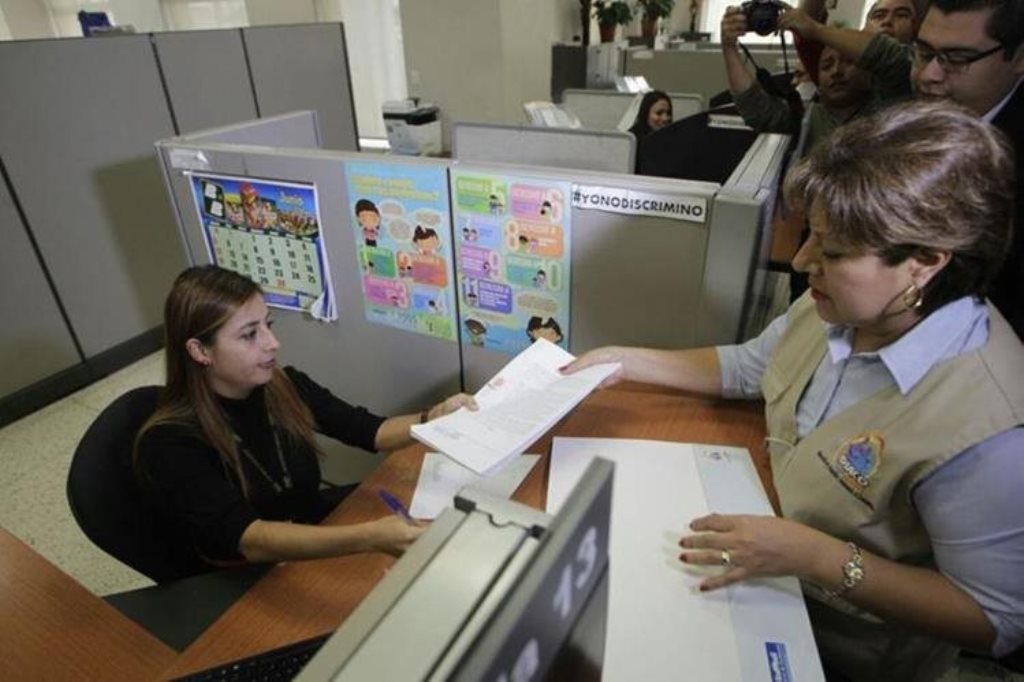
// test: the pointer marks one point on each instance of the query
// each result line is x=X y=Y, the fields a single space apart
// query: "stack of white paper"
x=660 y=627
x=516 y=407
x=441 y=479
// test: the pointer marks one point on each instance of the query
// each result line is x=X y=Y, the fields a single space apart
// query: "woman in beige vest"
x=894 y=397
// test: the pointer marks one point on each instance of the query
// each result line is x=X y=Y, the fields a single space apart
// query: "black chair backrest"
x=107 y=500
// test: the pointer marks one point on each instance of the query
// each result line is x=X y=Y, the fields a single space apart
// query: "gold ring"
x=726 y=558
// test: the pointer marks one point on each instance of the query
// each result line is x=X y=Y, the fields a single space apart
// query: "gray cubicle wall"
x=700 y=70
x=594 y=150
x=736 y=298
x=36 y=342
x=635 y=280
x=604 y=109
x=77 y=121
x=206 y=76
x=78 y=118
x=304 y=67
x=388 y=370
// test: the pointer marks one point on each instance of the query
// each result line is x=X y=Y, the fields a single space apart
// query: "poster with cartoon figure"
x=269 y=231
x=400 y=217
x=512 y=260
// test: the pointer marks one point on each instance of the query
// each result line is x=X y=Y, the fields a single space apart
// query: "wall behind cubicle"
x=77 y=122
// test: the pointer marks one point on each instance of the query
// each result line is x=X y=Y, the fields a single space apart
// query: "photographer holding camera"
x=844 y=91
x=882 y=48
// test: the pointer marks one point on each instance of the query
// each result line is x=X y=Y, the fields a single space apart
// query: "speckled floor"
x=33 y=467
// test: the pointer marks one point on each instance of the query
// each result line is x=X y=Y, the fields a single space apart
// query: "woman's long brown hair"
x=201 y=301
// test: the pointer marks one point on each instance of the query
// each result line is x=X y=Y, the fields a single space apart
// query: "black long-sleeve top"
x=200 y=499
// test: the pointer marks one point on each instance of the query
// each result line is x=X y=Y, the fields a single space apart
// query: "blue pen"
x=395 y=505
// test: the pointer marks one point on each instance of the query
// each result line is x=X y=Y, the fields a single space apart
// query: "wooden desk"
x=52 y=628
x=301 y=600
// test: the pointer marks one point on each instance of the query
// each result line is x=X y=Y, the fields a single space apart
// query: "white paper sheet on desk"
x=441 y=478
x=727 y=634
x=517 y=406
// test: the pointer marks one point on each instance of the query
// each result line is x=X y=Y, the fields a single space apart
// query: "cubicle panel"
x=388 y=370
x=699 y=71
x=604 y=109
x=296 y=129
x=730 y=263
x=36 y=342
x=93 y=200
x=593 y=150
x=636 y=279
x=305 y=67
x=206 y=77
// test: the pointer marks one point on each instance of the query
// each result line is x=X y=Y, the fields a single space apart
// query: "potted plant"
x=652 y=10
x=609 y=15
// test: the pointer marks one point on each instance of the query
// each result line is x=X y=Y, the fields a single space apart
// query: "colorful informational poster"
x=270 y=232
x=400 y=217
x=512 y=264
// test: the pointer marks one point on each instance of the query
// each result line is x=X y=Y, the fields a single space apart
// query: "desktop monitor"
x=494 y=590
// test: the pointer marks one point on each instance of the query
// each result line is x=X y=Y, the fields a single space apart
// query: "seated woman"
x=229 y=459
x=655 y=113
x=894 y=397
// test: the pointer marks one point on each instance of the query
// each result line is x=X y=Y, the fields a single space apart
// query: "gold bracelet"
x=853 y=573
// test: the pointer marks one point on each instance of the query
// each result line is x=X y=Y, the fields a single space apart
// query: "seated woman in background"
x=894 y=397
x=229 y=460
x=655 y=113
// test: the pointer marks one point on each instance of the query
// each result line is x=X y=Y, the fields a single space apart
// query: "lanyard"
x=286 y=477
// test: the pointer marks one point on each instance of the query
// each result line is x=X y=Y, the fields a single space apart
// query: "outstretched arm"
x=921 y=598
x=696 y=369
x=265 y=541
x=395 y=432
x=846 y=41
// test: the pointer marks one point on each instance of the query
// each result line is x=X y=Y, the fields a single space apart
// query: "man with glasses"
x=972 y=51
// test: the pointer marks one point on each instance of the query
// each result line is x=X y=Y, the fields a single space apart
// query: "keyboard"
x=277 y=664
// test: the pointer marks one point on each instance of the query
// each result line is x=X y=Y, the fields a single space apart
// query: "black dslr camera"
x=762 y=15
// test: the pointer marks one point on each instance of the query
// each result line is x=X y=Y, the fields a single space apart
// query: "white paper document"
x=441 y=478
x=517 y=406
x=660 y=627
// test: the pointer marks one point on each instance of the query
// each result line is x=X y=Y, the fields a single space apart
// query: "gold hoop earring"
x=913 y=297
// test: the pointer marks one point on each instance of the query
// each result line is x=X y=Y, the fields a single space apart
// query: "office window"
x=376 y=56
x=185 y=15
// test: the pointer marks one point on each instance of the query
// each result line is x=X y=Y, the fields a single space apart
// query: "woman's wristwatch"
x=853 y=573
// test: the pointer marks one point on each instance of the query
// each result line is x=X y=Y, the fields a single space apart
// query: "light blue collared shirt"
x=973 y=505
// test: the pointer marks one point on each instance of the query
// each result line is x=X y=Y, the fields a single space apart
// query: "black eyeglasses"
x=950 y=61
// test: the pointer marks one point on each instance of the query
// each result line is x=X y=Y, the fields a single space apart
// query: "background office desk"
x=52 y=628
x=305 y=599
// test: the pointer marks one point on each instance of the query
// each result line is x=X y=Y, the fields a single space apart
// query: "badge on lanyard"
x=857 y=460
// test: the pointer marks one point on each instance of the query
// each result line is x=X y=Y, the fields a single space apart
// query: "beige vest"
x=852 y=477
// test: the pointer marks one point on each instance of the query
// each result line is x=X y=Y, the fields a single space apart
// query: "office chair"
x=106 y=499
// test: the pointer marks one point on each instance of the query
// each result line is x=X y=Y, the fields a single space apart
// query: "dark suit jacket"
x=1007 y=291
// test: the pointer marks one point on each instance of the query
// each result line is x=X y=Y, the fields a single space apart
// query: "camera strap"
x=788 y=92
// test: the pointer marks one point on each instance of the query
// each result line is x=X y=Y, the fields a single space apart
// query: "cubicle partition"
x=648 y=261
x=596 y=150
x=91 y=245
x=604 y=109
x=737 y=297
x=700 y=70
